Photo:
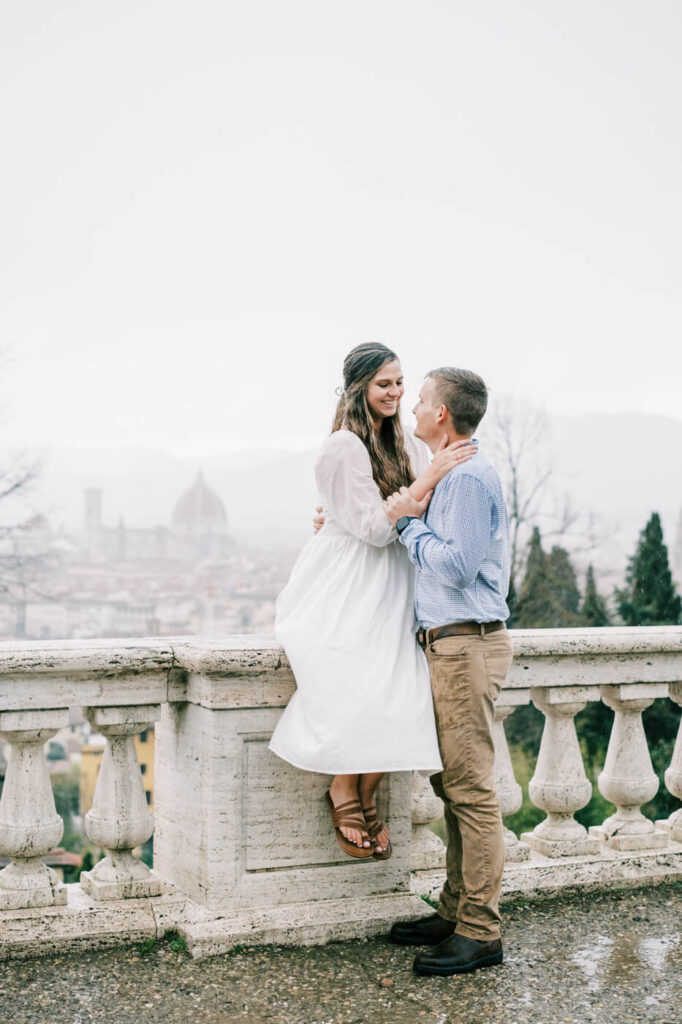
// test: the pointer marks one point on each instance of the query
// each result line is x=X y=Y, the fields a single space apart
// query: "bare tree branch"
x=518 y=437
x=27 y=565
x=18 y=475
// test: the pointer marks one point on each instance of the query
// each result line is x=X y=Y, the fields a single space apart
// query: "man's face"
x=427 y=412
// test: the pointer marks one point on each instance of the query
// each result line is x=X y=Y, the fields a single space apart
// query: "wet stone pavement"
x=606 y=957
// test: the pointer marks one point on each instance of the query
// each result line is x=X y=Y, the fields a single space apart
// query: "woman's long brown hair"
x=391 y=467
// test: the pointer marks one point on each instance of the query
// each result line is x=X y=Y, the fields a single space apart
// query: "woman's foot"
x=380 y=837
x=341 y=794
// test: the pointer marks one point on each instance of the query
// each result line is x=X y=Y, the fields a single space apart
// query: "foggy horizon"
x=199 y=451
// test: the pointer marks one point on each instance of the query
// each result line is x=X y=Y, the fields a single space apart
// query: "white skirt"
x=363 y=700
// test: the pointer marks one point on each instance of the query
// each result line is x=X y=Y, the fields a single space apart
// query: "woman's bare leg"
x=366 y=789
x=342 y=789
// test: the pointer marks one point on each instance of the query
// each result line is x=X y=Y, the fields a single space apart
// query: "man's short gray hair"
x=464 y=395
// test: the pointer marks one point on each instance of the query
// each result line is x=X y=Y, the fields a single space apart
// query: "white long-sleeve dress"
x=346 y=621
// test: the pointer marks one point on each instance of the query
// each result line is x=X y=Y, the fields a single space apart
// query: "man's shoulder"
x=477 y=468
x=483 y=469
x=477 y=472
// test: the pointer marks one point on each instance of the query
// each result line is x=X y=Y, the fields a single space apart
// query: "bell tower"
x=93 y=525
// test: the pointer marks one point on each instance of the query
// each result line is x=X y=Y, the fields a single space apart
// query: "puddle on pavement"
x=589 y=957
x=653 y=952
x=605 y=961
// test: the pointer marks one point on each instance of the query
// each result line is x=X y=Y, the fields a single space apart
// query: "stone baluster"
x=427 y=849
x=560 y=786
x=628 y=779
x=673 y=775
x=29 y=824
x=119 y=818
x=509 y=792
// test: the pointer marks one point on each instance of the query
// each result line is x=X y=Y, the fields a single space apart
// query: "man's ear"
x=441 y=414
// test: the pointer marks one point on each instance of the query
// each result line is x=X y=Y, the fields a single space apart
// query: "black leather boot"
x=458 y=955
x=426 y=931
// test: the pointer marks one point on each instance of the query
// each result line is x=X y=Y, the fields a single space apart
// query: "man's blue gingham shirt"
x=460 y=548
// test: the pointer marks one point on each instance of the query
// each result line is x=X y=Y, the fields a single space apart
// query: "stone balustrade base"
x=51 y=893
x=581 y=846
x=127 y=888
x=84 y=924
x=514 y=851
x=542 y=876
x=88 y=924
x=300 y=924
x=672 y=826
x=654 y=840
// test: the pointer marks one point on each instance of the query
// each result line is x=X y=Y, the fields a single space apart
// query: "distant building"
x=199 y=521
x=198 y=530
x=185 y=577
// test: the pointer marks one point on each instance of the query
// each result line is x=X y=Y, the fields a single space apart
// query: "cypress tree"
x=536 y=556
x=511 y=604
x=564 y=586
x=594 y=610
x=549 y=596
x=532 y=600
x=649 y=597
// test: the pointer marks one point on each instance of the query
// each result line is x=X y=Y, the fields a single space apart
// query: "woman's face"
x=385 y=390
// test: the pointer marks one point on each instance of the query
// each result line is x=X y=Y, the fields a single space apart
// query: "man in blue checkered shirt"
x=460 y=549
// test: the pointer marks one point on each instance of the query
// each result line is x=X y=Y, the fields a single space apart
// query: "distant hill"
x=621 y=466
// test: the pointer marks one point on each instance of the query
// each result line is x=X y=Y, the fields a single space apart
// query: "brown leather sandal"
x=374 y=827
x=350 y=816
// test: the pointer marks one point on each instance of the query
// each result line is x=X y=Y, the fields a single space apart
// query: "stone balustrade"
x=243 y=849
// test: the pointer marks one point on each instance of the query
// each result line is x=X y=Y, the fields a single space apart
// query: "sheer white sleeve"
x=349 y=492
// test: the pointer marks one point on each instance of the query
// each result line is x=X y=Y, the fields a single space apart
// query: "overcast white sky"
x=205 y=204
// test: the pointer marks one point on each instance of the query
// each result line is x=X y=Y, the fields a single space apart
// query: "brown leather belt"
x=427 y=636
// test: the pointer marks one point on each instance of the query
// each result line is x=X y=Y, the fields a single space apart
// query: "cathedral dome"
x=199 y=510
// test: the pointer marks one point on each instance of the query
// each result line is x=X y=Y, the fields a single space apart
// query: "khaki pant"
x=466 y=675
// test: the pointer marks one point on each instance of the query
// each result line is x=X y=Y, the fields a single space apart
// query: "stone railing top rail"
x=530 y=643
x=589 y=658
x=245 y=669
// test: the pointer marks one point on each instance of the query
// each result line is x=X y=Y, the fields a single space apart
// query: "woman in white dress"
x=363 y=702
